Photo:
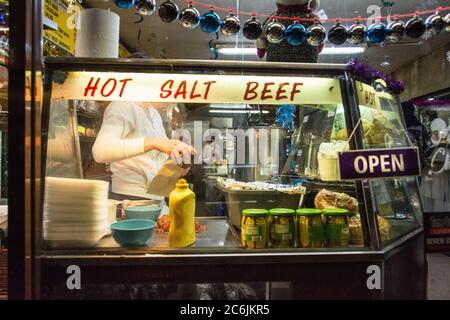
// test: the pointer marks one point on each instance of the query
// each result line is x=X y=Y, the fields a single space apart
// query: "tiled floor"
x=438 y=276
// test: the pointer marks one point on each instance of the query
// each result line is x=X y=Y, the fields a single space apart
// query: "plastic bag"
x=326 y=199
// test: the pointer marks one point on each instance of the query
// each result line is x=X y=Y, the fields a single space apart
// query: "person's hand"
x=179 y=151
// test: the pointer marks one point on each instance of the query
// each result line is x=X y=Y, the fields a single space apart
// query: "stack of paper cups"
x=97 y=34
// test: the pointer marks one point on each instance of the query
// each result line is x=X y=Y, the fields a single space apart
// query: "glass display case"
x=269 y=196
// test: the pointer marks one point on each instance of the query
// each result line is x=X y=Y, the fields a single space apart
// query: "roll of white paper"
x=97 y=34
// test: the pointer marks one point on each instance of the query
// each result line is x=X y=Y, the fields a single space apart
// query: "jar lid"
x=336 y=212
x=309 y=212
x=281 y=211
x=254 y=212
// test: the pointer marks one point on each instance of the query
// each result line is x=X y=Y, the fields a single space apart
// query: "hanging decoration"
x=357 y=33
x=212 y=47
x=376 y=33
x=387 y=3
x=367 y=74
x=252 y=29
x=3 y=19
x=425 y=103
x=189 y=17
x=168 y=11
x=396 y=31
x=275 y=31
x=285 y=116
x=435 y=24
x=337 y=35
x=210 y=22
x=145 y=7
x=447 y=22
x=124 y=4
x=296 y=33
x=231 y=25
x=316 y=34
x=415 y=27
x=386 y=63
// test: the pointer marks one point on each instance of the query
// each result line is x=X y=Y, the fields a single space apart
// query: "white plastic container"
x=328 y=168
x=328 y=162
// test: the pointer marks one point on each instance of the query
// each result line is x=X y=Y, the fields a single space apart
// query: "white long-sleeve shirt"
x=120 y=142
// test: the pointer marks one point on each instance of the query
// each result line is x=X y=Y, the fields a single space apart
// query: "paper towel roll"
x=98 y=34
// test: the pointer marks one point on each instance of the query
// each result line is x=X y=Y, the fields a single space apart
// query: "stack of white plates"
x=75 y=212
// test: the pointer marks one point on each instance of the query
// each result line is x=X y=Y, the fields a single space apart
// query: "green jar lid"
x=309 y=212
x=336 y=212
x=281 y=212
x=254 y=212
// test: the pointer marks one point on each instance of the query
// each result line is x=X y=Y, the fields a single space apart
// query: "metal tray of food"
x=238 y=200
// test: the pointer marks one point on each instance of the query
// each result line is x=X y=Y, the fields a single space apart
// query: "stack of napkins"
x=75 y=212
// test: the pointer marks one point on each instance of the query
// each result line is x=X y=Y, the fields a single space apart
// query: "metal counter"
x=219 y=233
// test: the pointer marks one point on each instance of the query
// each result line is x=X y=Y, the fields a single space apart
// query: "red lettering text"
x=250 y=90
x=124 y=83
x=165 y=93
x=266 y=90
x=295 y=90
x=280 y=91
x=193 y=95
x=105 y=86
x=208 y=86
x=91 y=87
x=181 y=90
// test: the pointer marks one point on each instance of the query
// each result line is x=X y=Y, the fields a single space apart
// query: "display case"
x=366 y=225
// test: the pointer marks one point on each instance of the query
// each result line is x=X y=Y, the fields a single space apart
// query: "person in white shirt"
x=133 y=140
x=212 y=152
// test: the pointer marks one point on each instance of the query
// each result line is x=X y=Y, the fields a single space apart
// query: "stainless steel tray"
x=238 y=200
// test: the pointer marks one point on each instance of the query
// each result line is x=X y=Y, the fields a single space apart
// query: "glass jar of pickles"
x=336 y=227
x=281 y=228
x=254 y=228
x=310 y=228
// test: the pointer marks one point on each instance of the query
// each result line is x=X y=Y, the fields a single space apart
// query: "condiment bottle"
x=182 y=215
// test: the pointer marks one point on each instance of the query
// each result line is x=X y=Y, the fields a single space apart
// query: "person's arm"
x=111 y=144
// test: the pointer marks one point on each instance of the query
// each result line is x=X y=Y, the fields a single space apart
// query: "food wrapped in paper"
x=385 y=228
x=326 y=199
x=355 y=229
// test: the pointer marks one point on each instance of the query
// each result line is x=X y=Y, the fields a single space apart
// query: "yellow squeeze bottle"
x=182 y=215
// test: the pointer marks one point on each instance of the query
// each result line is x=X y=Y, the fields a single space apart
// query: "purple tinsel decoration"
x=368 y=74
x=421 y=103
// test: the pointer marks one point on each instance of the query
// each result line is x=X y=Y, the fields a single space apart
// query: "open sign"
x=379 y=163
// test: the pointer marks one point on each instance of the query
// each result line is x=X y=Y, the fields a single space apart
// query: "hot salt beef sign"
x=379 y=163
x=196 y=88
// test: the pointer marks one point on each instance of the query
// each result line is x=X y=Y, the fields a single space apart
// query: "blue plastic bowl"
x=133 y=233
x=150 y=212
